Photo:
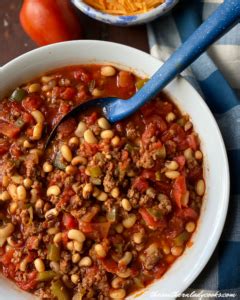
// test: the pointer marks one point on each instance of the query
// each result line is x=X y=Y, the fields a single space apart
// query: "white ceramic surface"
x=125 y=20
x=214 y=209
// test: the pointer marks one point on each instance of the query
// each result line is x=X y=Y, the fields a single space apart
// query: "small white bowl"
x=213 y=213
x=125 y=20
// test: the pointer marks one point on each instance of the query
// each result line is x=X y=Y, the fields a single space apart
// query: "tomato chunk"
x=140 y=184
x=150 y=221
x=179 y=190
x=9 y=130
x=69 y=222
x=32 y=102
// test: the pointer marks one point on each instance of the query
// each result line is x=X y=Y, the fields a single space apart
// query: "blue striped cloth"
x=216 y=74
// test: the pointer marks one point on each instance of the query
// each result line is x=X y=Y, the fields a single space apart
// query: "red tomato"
x=91 y=119
x=48 y=22
x=15 y=150
x=69 y=222
x=4 y=146
x=148 y=174
x=125 y=79
x=179 y=190
x=193 y=141
x=6 y=258
x=68 y=93
x=149 y=219
x=9 y=130
x=181 y=160
x=95 y=230
x=32 y=102
x=82 y=75
x=140 y=184
x=188 y=213
x=30 y=283
x=109 y=265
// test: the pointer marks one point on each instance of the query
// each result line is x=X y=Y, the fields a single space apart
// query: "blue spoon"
x=114 y=109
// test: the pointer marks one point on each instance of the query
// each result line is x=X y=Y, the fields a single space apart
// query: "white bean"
x=38 y=116
x=172 y=174
x=37 y=131
x=200 y=187
x=77 y=235
x=21 y=193
x=100 y=250
x=66 y=153
x=89 y=137
x=80 y=129
x=39 y=265
x=108 y=71
x=129 y=221
x=103 y=123
x=117 y=294
x=107 y=134
x=53 y=190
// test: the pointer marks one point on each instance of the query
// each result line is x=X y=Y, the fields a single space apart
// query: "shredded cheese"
x=124 y=7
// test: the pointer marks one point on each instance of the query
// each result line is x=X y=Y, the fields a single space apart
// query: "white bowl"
x=189 y=265
x=126 y=20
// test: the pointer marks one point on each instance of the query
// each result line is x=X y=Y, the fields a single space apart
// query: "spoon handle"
x=226 y=15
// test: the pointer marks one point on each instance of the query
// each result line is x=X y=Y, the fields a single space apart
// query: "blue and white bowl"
x=125 y=20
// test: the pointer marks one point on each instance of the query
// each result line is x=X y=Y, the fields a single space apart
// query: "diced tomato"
x=27 y=118
x=69 y=222
x=181 y=161
x=150 y=221
x=125 y=79
x=67 y=127
x=9 y=130
x=6 y=258
x=4 y=147
x=193 y=141
x=140 y=184
x=95 y=230
x=90 y=214
x=91 y=119
x=30 y=283
x=110 y=265
x=15 y=150
x=68 y=93
x=82 y=75
x=188 y=213
x=148 y=174
x=32 y=102
x=179 y=190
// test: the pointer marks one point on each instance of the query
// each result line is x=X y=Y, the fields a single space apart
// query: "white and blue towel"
x=216 y=74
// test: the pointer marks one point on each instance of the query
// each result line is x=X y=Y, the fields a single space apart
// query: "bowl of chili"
x=124 y=13
x=108 y=210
